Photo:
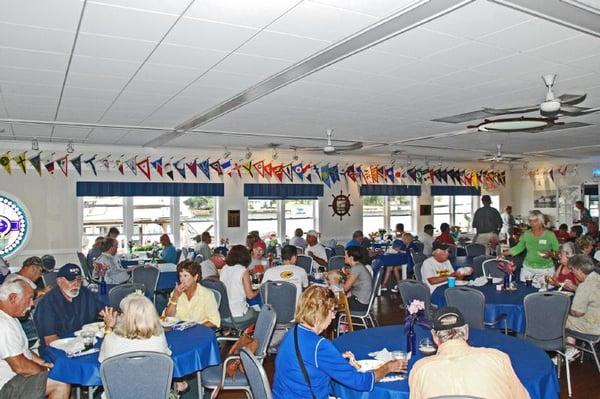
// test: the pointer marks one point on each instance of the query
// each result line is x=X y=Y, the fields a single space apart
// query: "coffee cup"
x=451 y=282
x=490 y=280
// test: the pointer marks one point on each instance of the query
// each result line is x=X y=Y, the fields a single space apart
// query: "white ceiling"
x=159 y=63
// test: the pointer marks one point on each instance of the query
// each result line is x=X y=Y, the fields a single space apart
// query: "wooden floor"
x=585 y=379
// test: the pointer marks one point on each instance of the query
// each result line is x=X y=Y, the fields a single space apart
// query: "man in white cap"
x=315 y=250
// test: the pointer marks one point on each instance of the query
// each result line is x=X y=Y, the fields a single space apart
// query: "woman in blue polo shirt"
x=307 y=362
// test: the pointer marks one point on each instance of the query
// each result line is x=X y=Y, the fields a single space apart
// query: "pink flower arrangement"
x=416 y=306
x=416 y=310
x=506 y=266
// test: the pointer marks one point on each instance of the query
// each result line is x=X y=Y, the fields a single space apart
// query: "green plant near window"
x=200 y=203
x=143 y=248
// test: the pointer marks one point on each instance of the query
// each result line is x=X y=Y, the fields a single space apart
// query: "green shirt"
x=534 y=245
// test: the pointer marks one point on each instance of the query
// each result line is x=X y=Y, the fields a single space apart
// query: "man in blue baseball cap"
x=66 y=308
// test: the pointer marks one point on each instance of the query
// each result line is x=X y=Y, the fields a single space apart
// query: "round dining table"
x=497 y=302
x=531 y=364
x=192 y=350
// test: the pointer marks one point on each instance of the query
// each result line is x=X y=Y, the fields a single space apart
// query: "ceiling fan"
x=500 y=157
x=329 y=148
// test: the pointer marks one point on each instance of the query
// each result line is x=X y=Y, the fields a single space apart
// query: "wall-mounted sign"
x=341 y=205
x=14 y=226
x=233 y=218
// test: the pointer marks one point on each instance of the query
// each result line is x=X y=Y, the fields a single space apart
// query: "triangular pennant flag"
x=359 y=173
x=309 y=177
x=76 y=162
x=92 y=164
x=278 y=172
x=144 y=167
x=168 y=168
x=288 y=170
x=444 y=175
x=259 y=167
x=325 y=175
x=237 y=168
x=389 y=172
x=158 y=166
x=205 y=168
x=381 y=172
x=180 y=166
x=36 y=162
x=105 y=163
x=299 y=170
x=334 y=173
x=226 y=167
x=431 y=175
x=474 y=179
x=317 y=171
x=5 y=162
x=217 y=167
x=268 y=169
x=412 y=174
x=63 y=164
x=120 y=166
x=131 y=164
x=502 y=178
x=20 y=161
x=350 y=173
x=49 y=165
x=551 y=174
x=374 y=174
x=193 y=167
x=248 y=168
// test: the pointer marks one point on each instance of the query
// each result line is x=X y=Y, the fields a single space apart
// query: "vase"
x=411 y=339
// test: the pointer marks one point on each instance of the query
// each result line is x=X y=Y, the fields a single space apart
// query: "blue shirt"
x=169 y=254
x=323 y=362
x=55 y=315
x=400 y=245
x=352 y=243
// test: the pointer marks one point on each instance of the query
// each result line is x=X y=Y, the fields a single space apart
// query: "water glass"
x=88 y=339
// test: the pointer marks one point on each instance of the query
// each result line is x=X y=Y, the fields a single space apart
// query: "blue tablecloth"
x=192 y=350
x=496 y=303
x=532 y=365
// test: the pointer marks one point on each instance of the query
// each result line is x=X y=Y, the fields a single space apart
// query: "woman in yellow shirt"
x=190 y=301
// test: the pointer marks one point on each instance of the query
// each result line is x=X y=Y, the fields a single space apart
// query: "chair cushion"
x=211 y=377
x=556 y=344
x=582 y=336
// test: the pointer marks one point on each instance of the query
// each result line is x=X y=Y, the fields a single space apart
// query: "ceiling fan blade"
x=513 y=110
x=461 y=118
x=572 y=109
x=571 y=98
x=352 y=147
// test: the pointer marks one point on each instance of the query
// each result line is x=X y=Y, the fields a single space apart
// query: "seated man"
x=202 y=248
x=315 y=250
x=108 y=265
x=210 y=267
x=436 y=269
x=585 y=309
x=31 y=271
x=445 y=235
x=66 y=308
x=23 y=374
x=95 y=251
x=288 y=271
x=297 y=240
x=358 y=240
x=451 y=371
x=427 y=239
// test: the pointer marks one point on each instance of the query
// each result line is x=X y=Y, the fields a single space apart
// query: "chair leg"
x=568 y=375
x=595 y=356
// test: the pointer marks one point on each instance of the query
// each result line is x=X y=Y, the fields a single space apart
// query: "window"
x=196 y=215
x=262 y=216
x=384 y=212
x=299 y=214
x=151 y=219
x=373 y=213
x=99 y=215
x=401 y=211
x=454 y=210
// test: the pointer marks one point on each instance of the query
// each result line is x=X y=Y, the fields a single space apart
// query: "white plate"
x=369 y=364
x=169 y=321
x=97 y=327
x=461 y=282
x=567 y=293
x=65 y=343
x=496 y=280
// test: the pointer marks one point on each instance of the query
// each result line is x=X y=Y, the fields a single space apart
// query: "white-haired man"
x=23 y=374
x=450 y=372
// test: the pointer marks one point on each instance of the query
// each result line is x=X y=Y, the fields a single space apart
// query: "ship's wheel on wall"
x=341 y=205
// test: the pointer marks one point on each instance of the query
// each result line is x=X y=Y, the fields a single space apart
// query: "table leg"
x=404 y=272
x=78 y=392
x=200 y=387
x=91 y=392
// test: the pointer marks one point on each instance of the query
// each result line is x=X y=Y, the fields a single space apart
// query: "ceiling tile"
x=37 y=59
x=125 y=23
x=105 y=136
x=208 y=35
x=64 y=13
x=112 y=47
x=159 y=87
x=31 y=112
x=468 y=55
x=168 y=7
x=137 y=137
x=529 y=35
x=573 y=48
x=260 y=67
x=360 y=80
x=422 y=71
x=31 y=38
x=32 y=130
x=103 y=66
x=80 y=93
x=464 y=79
x=31 y=76
x=190 y=57
x=378 y=8
x=220 y=79
x=419 y=43
x=94 y=81
x=321 y=22
x=516 y=64
x=115 y=117
x=29 y=89
x=168 y=73
x=279 y=45
x=77 y=114
x=374 y=61
x=256 y=14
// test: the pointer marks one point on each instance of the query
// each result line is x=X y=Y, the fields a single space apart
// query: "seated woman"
x=236 y=279
x=585 y=246
x=402 y=246
x=168 y=253
x=563 y=274
x=137 y=329
x=585 y=309
x=359 y=282
x=190 y=301
x=259 y=263
x=316 y=355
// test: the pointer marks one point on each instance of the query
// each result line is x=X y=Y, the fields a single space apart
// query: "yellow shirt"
x=459 y=369
x=202 y=307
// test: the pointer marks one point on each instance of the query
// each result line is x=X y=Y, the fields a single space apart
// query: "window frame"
x=387 y=214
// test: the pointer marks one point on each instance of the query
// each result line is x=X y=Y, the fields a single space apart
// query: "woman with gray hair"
x=563 y=275
x=584 y=316
x=541 y=245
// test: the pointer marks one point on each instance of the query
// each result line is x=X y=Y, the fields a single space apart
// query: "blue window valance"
x=455 y=190
x=390 y=190
x=283 y=191
x=139 y=189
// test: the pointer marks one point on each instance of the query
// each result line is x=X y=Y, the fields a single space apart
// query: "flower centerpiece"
x=508 y=268
x=416 y=314
x=382 y=233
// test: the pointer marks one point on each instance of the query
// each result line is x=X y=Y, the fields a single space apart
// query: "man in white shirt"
x=315 y=250
x=209 y=269
x=288 y=271
x=202 y=247
x=436 y=269
x=427 y=239
x=23 y=374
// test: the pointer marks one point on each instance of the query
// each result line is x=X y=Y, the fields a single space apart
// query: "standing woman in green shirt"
x=541 y=245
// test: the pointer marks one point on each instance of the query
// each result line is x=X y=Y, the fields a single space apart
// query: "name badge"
x=543 y=242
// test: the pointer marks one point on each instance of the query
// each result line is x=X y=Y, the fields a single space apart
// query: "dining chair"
x=336 y=262
x=215 y=377
x=227 y=320
x=305 y=262
x=199 y=258
x=255 y=373
x=490 y=268
x=475 y=250
x=329 y=252
x=365 y=317
x=118 y=292
x=147 y=276
x=478 y=264
x=471 y=303
x=299 y=250
x=545 y=317
x=589 y=340
x=413 y=289
x=49 y=278
x=339 y=250
x=136 y=375
x=281 y=295
x=87 y=273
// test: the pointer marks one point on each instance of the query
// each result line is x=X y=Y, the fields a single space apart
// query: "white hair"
x=11 y=287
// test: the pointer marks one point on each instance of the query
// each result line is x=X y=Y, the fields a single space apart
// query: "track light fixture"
x=70 y=148
x=295 y=156
x=275 y=155
x=35 y=145
x=227 y=153
x=248 y=153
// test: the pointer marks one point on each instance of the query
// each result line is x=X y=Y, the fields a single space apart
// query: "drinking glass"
x=88 y=339
x=426 y=346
